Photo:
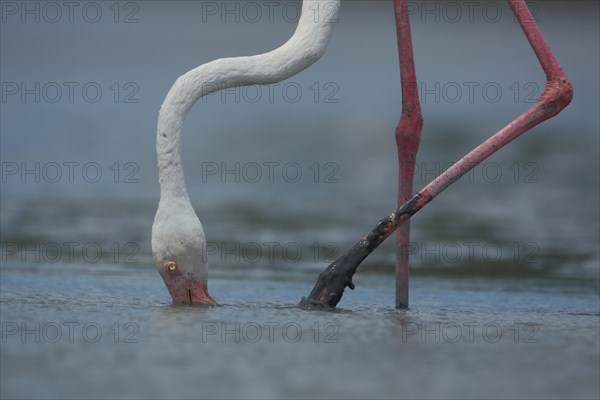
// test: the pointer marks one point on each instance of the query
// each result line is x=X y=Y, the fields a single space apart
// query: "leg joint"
x=557 y=95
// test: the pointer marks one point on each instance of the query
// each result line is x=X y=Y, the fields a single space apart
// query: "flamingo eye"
x=171 y=266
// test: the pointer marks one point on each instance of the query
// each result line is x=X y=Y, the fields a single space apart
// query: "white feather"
x=177 y=233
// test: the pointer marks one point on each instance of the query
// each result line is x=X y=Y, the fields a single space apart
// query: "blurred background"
x=287 y=177
x=312 y=159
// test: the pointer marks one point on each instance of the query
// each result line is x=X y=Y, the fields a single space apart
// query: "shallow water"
x=505 y=263
x=73 y=332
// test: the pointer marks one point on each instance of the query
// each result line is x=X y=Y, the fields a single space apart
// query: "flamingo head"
x=179 y=250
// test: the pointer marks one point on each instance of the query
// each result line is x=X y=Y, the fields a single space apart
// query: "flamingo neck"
x=305 y=47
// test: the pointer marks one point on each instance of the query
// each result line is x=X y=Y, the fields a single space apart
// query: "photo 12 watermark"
x=326 y=172
x=278 y=92
x=472 y=251
x=69 y=332
x=69 y=172
x=52 y=92
x=252 y=12
x=50 y=252
x=469 y=332
x=472 y=12
x=470 y=92
x=270 y=252
x=490 y=172
x=271 y=332
x=70 y=12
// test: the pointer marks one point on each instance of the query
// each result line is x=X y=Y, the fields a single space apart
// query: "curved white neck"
x=305 y=47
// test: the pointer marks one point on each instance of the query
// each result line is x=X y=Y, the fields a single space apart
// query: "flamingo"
x=557 y=94
x=178 y=240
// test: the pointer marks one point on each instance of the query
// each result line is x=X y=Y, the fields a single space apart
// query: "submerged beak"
x=188 y=290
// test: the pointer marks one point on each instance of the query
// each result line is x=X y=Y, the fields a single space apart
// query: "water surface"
x=504 y=290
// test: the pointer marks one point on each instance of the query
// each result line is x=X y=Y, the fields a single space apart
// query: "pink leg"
x=408 y=135
x=557 y=94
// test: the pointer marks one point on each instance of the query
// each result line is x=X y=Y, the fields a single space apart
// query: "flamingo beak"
x=188 y=290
